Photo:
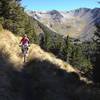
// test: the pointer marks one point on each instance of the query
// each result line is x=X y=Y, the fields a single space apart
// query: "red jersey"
x=24 y=41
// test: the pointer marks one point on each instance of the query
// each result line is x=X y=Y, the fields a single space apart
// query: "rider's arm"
x=28 y=40
x=21 y=41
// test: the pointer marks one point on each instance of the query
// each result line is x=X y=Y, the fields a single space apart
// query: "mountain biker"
x=24 y=42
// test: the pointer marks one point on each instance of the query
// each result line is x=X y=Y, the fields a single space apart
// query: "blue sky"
x=59 y=4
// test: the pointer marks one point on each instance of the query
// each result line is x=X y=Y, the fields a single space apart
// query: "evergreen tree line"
x=78 y=54
x=96 y=61
x=82 y=55
x=14 y=18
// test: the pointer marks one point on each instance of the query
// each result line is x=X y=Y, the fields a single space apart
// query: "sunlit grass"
x=9 y=44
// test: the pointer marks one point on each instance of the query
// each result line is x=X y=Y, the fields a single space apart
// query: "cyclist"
x=24 y=42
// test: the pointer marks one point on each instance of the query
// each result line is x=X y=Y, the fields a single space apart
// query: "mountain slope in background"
x=79 y=23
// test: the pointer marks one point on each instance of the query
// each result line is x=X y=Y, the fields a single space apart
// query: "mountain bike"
x=24 y=49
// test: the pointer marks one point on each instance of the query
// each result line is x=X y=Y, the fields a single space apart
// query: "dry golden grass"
x=9 y=44
x=37 y=53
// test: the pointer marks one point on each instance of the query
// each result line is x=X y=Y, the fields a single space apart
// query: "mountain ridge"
x=79 y=23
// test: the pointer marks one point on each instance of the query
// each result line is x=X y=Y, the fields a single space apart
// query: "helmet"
x=25 y=35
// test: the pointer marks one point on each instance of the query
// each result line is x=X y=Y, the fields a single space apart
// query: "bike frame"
x=24 y=51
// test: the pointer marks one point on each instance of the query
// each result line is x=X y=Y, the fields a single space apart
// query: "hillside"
x=9 y=46
x=42 y=77
x=57 y=67
x=79 y=23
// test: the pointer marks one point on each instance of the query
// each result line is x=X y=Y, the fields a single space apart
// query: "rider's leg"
x=22 y=50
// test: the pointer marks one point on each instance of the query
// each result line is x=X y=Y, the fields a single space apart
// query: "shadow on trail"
x=42 y=80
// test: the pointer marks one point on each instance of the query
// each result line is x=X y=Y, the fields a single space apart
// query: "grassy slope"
x=9 y=45
x=44 y=77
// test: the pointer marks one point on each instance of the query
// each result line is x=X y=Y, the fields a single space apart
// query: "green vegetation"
x=75 y=55
x=14 y=18
x=82 y=55
x=78 y=54
x=96 y=61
